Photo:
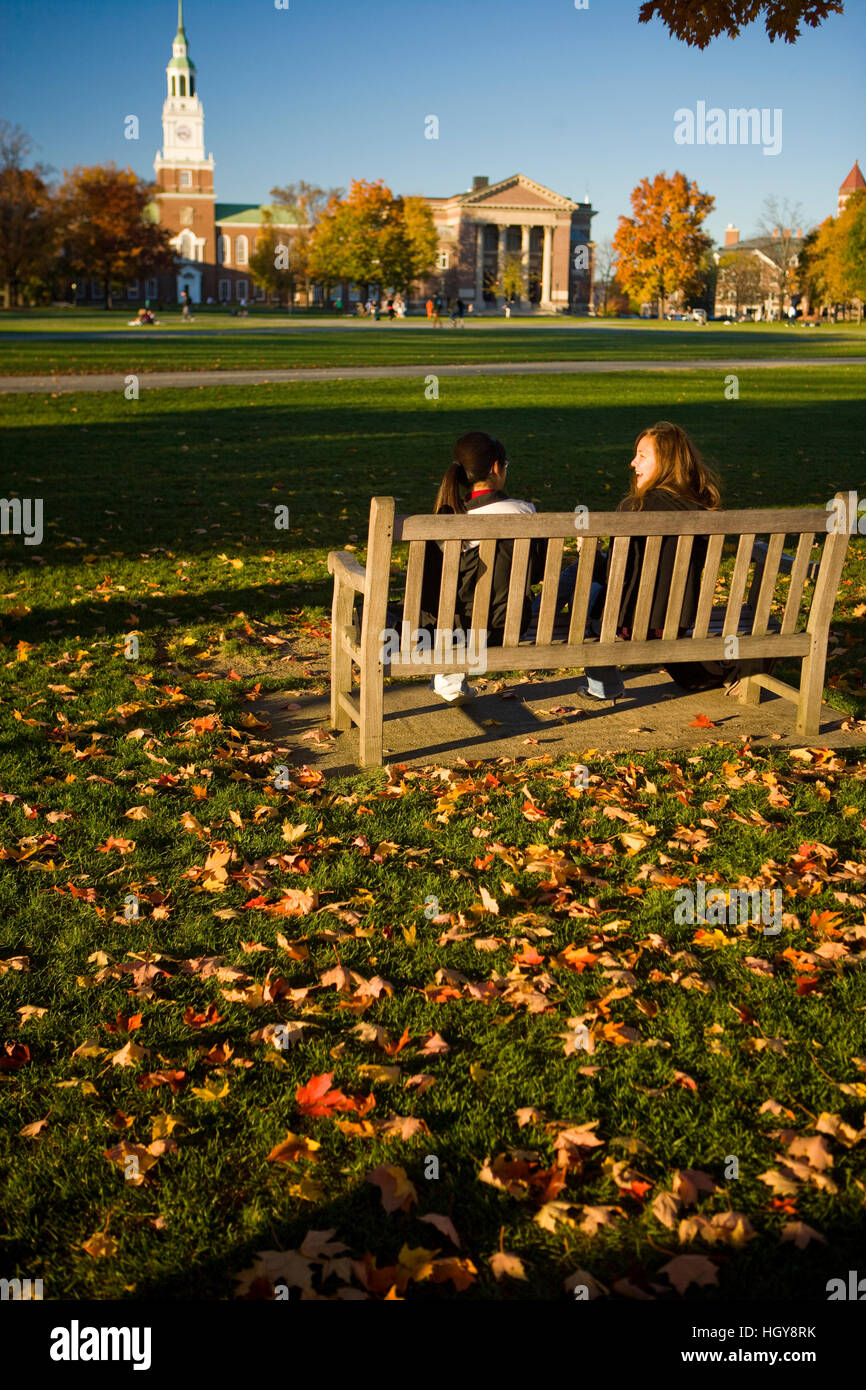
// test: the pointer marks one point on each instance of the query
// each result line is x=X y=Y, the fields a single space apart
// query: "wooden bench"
x=801 y=631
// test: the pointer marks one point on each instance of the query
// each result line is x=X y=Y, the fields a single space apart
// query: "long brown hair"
x=475 y=455
x=680 y=470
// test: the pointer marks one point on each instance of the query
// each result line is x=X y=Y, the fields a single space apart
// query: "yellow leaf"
x=213 y=1089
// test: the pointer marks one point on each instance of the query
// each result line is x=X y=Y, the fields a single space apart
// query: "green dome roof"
x=186 y=63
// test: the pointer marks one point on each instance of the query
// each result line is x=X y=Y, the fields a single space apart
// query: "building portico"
x=480 y=230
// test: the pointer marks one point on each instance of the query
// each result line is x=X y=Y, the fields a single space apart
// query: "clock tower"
x=184 y=176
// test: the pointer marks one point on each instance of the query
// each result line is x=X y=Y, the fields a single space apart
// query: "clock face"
x=183 y=132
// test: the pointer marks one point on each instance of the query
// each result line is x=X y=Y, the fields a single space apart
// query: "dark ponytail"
x=475 y=455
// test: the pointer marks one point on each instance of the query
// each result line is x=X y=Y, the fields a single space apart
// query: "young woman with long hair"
x=668 y=474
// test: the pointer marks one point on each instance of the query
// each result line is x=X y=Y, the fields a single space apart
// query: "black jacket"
x=660 y=500
x=470 y=572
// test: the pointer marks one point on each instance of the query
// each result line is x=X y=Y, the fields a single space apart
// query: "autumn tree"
x=851 y=234
x=28 y=219
x=739 y=279
x=307 y=201
x=779 y=218
x=372 y=237
x=274 y=264
x=513 y=281
x=107 y=231
x=659 y=249
x=833 y=259
x=604 y=265
x=698 y=24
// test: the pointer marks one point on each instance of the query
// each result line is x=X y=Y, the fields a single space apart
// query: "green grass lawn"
x=72 y=342
x=147 y=782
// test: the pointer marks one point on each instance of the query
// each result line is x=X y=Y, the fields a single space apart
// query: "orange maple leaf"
x=702 y=722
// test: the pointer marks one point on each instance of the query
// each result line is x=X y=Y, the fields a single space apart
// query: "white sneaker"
x=453 y=689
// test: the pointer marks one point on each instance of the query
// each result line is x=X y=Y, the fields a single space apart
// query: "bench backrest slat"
x=709 y=581
x=549 y=589
x=517 y=590
x=448 y=589
x=769 y=574
x=471 y=526
x=412 y=595
x=799 y=570
x=739 y=579
x=583 y=583
x=678 y=587
x=484 y=588
x=646 y=587
x=613 y=592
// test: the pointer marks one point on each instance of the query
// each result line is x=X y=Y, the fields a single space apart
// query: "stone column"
x=546 y=267
x=500 y=258
x=524 y=256
x=479 y=267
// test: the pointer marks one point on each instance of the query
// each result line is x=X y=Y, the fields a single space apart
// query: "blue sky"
x=328 y=90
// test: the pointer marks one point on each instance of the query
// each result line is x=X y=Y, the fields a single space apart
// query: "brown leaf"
x=398 y=1193
x=503 y=1263
x=685 y=1270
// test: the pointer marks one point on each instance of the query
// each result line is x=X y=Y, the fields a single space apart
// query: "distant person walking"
x=185 y=303
x=457 y=314
x=437 y=312
x=429 y=307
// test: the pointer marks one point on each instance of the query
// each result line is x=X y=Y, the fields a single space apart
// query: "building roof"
x=758 y=243
x=253 y=214
x=854 y=180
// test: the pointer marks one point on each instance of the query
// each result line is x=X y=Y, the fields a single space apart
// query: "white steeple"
x=182 y=111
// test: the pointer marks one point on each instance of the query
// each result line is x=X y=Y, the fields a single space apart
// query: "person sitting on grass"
x=475 y=482
x=668 y=474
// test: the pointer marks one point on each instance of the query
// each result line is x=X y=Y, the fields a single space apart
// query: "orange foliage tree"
x=698 y=22
x=107 y=231
x=659 y=249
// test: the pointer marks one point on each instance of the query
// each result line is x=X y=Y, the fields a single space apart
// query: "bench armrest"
x=786 y=560
x=343 y=566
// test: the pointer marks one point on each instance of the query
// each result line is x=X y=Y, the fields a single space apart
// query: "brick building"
x=478 y=230
x=481 y=229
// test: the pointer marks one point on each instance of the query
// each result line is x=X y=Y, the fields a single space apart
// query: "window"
x=242 y=251
x=186 y=178
x=442 y=260
x=151 y=288
x=260 y=292
x=243 y=289
x=183 y=86
x=132 y=290
x=191 y=85
x=173 y=85
x=80 y=290
x=95 y=289
x=225 y=291
x=224 y=250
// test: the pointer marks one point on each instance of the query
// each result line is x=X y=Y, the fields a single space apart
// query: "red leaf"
x=702 y=722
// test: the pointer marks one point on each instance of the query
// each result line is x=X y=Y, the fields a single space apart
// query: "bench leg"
x=748 y=692
x=341 y=662
x=811 y=692
x=371 y=740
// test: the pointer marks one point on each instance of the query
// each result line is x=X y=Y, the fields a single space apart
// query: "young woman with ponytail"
x=475 y=483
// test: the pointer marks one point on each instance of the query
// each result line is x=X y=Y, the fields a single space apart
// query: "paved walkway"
x=544 y=714
x=115 y=381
